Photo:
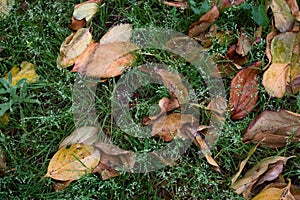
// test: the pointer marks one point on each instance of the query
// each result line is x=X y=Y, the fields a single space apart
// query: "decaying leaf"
x=86 y=10
x=107 y=60
x=246 y=184
x=105 y=171
x=85 y=57
x=205 y=21
x=120 y=33
x=5 y=7
x=77 y=24
x=73 y=161
x=115 y=158
x=178 y=4
x=284 y=20
x=274 y=129
x=275 y=78
x=166 y=105
x=26 y=70
x=168 y=127
x=243 y=92
x=73 y=46
x=228 y=3
x=86 y=135
x=243 y=45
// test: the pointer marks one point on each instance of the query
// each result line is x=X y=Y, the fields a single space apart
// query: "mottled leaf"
x=73 y=161
x=284 y=20
x=274 y=129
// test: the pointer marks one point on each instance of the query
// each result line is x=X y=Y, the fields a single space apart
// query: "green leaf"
x=259 y=15
x=4 y=107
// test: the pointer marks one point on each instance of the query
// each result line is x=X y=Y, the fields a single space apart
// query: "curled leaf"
x=74 y=45
x=243 y=92
x=73 y=161
x=274 y=129
x=86 y=10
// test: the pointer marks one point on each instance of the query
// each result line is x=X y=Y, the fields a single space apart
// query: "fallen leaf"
x=108 y=60
x=269 y=39
x=236 y=59
x=228 y=3
x=84 y=58
x=5 y=7
x=86 y=10
x=105 y=171
x=243 y=46
x=284 y=20
x=86 y=135
x=205 y=21
x=26 y=70
x=244 y=92
x=242 y=165
x=168 y=127
x=246 y=183
x=120 y=33
x=273 y=172
x=77 y=24
x=73 y=161
x=178 y=4
x=274 y=129
x=270 y=194
x=294 y=190
x=73 y=46
x=114 y=157
x=60 y=185
x=294 y=70
x=166 y=105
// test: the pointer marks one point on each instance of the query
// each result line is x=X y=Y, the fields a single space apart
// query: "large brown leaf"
x=274 y=129
x=243 y=92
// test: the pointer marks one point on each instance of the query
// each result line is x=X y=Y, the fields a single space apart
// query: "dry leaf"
x=72 y=162
x=86 y=135
x=274 y=129
x=105 y=171
x=60 y=185
x=114 y=157
x=86 y=10
x=205 y=21
x=26 y=70
x=166 y=105
x=284 y=20
x=108 y=60
x=243 y=92
x=243 y=46
x=273 y=172
x=294 y=190
x=84 y=58
x=228 y=3
x=269 y=39
x=246 y=183
x=178 y=4
x=270 y=194
x=120 y=33
x=242 y=165
x=5 y=7
x=77 y=24
x=168 y=127
x=73 y=46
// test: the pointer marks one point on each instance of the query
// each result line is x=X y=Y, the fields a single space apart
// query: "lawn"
x=34 y=31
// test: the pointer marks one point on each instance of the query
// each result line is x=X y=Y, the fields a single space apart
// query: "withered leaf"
x=74 y=45
x=86 y=135
x=86 y=10
x=60 y=185
x=246 y=183
x=178 y=4
x=228 y=3
x=243 y=45
x=168 y=127
x=72 y=162
x=107 y=60
x=243 y=92
x=27 y=70
x=166 y=105
x=77 y=24
x=120 y=33
x=273 y=172
x=106 y=171
x=204 y=22
x=274 y=129
x=284 y=20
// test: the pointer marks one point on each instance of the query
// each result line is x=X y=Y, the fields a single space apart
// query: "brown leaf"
x=182 y=4
x=105 y=171
x=235 y=57
x=108 y=60
x=273 y=172
x=243 y=46
x=284 y=20
x=77 y=24
x=293 y=5
x=166 y=105
x=243 y=92
x=114 y=157
x=84 y=58
x=269 y=38
x=168 y=127
x=73 y=46
x=246 y=183
x=204 y=22
x=72 y=162
x=86 y=135
x=228 y=3
x=60 y=185
x=274 y=129
x=120 y=33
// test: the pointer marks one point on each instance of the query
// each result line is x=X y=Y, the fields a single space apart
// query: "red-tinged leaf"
x=274 y=129
x=183 y=4
x=204 y=22
x=84 y=58
x=228 y=3
x=243 y=92
x=106 y=171
x=235 y=57
x=77 y=24
x=243 y=45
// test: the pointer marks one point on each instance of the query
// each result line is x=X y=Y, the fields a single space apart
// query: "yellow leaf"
x=270 y=194
x=72 y=162
x=27 y=71
x=74 y=45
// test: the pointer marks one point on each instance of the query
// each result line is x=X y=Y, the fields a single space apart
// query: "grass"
x=35 y=130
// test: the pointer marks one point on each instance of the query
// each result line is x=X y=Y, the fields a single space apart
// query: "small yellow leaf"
x=270 y=194
x=85 y=11
x=72 y=162
x=27 y=71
